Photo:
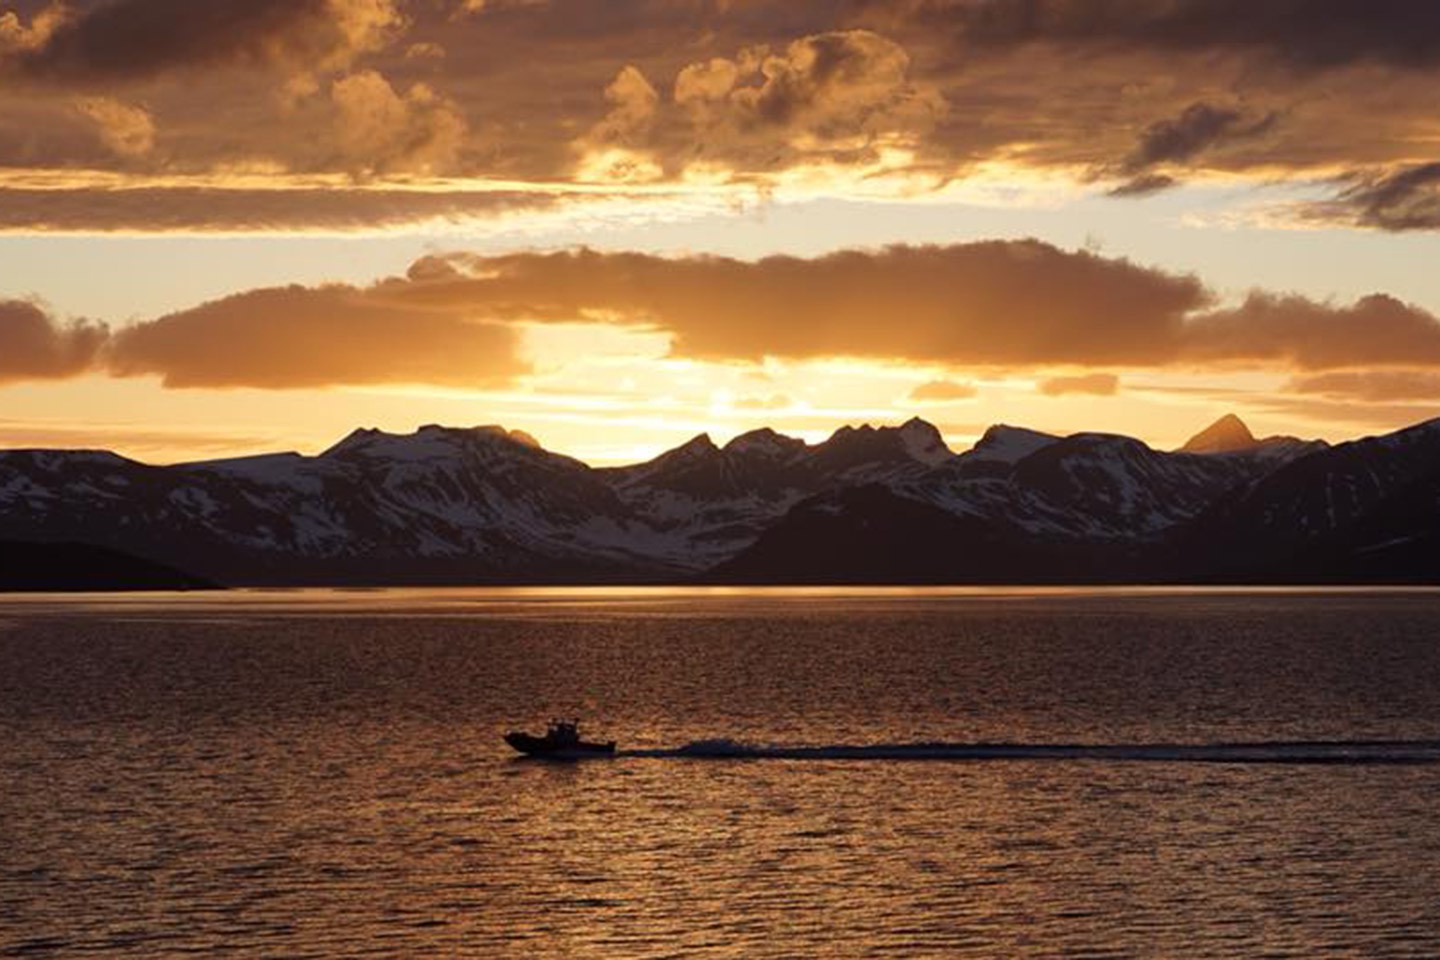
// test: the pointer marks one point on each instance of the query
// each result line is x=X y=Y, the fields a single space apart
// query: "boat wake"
x=1345 y=752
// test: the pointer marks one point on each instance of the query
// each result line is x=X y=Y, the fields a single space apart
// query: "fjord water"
x=321 y=774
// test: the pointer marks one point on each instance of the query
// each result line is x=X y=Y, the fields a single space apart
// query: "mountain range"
x=879 y=505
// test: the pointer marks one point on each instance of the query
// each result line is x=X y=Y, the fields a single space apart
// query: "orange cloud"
x=988 y=303
x=127 y=130
x=1096 y=384
x=35 y=346
x=1372 y=386
x=943 y=391
x=291 y=337
x=1298 y=332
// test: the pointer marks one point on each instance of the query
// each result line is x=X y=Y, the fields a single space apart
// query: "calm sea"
x=1105 y=774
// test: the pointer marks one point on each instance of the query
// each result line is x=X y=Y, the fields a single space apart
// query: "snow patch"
x=1010 y=445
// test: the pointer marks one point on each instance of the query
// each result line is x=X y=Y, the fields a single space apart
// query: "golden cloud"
x=379 y=131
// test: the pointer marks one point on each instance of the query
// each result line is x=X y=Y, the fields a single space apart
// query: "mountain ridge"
x=889 y=504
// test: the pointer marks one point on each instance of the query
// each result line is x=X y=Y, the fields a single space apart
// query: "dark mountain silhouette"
x=878 y=504
x=81 y=566
x=1089 y=507
x=1360 y=511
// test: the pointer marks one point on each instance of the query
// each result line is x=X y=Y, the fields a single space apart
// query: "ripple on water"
x=332 y=783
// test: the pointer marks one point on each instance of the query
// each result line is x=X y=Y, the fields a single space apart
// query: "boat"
x=560 y=742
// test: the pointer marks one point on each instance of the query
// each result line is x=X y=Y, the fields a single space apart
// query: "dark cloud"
x=1095 y=384
x=1403 y=199
x=290 y=337
x=1180 y=138
x=34 y=346
x=1199 y=127
x=138 y=39
x=1144 y=185
x=1312 y=34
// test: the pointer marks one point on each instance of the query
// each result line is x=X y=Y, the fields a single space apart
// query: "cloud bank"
x=1129 y=96
x=293 y=337
x=457 y=320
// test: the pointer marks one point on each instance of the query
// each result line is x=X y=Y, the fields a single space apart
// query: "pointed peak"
x=1226 y=435
x=698 y=445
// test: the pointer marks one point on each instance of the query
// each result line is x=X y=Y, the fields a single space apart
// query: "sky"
x=251 y=225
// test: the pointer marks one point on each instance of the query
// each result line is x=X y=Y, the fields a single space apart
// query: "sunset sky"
x=233 y=226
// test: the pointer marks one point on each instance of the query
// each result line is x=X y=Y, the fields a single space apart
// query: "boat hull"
x=547 y=749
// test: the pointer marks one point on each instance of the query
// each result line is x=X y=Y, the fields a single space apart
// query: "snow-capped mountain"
x=440 y=504
x=1031 y=504
x=887 y=503
x=712 y=501
x=1089 y=485
x=1365 y=509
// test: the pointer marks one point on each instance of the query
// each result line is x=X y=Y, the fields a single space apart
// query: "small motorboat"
x=560 y=742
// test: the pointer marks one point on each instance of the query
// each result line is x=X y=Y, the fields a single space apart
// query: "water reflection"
x=302 y=777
